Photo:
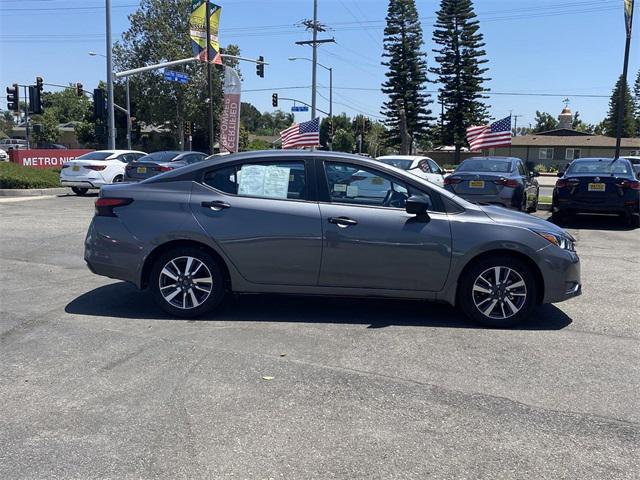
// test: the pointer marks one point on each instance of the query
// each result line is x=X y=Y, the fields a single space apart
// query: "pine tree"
x=636 y=95
x=628 y=122
x=460 y=70
x=407 y=109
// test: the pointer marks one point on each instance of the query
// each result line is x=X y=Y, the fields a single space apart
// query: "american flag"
x=498 y=134
x=305 y=134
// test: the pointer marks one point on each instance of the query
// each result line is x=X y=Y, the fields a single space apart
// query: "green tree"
x=628 y=121
x=339 y=122
x=581 y=126
x=48 y=132
x=636 y=97
x=406 y=75
x=343 y=141
x=250 y=117
x=544 y=122
x=159 y=31
x=460 y=70
x=66 y=105
x=6 y=124
x=243 y=141
x=375 y=140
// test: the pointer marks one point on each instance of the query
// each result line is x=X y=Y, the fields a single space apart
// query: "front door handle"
x=343 y=222
x=216 y=205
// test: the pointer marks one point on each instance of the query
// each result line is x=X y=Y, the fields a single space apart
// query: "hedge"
x=13 y=175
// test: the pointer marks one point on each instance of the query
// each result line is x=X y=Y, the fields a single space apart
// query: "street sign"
x=179 y=77
x=299 y=108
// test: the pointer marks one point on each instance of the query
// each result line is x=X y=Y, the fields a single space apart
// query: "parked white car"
x=94 y=169
x=4 y=156
x=423 y=167
x=7 y=144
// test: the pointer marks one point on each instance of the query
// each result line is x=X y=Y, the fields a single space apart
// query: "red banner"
x=229 y=131
x=45 y=158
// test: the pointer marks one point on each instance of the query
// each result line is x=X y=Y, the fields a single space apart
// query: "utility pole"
x=623 y=82
x=209 y=83
x=315 y=27
x=128 y=117
x=110 y=108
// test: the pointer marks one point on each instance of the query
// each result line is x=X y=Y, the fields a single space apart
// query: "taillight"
x=452 y=180
x=105 y=205
x=630 y=184
x=507 y=182
x=571 y=182
x=163 y=168
x=96 y=168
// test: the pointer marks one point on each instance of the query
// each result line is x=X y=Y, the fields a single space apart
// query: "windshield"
x=599 y=167
x=159 y=157
x=400 y=163
x=485 y=165
x=95 y=156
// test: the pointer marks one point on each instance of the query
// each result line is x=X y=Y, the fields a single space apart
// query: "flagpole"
x=209 y=81
x=623 y=83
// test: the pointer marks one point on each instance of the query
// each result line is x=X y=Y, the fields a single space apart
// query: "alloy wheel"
x=499 y=292
x=185 y=282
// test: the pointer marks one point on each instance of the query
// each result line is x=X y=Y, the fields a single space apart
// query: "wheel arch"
x=502 y=252
x=149 y=261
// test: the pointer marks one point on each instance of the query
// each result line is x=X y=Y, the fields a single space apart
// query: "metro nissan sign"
x=45 y=158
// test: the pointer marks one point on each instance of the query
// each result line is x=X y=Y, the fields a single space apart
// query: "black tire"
x=118 y=179
x=178 y=256
x=534 y=205
x=468 y=298
x=80 y=191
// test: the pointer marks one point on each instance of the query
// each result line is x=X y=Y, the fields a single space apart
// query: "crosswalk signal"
x=79 y=89
x=274 y=100
x=260 y=67
x=13 y=98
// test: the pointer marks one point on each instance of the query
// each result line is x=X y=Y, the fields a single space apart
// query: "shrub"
x=13 y=175
x=553 y=168
x=540 y=168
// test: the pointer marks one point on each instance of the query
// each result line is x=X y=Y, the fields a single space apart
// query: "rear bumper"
x=561 y=274
x=82 y=181
x=619 y=206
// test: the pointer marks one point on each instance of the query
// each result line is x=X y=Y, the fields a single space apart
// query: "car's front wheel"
x=498 y=291
x=79 y=190
x=187 y=282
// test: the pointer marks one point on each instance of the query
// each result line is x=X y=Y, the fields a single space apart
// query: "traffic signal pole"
x=111 y=124
x=209 y=82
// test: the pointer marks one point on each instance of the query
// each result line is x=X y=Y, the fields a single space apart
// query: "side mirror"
x=535 y=174
x=441 y=171
x=417 y=205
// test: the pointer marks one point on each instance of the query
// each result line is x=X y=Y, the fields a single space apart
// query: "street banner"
x=230 y=122
x=45 y=158
x=198 y=31
x=628 y=15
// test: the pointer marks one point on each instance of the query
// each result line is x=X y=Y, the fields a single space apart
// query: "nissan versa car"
x=500 y=181
x=158 y=162
x=95 y=169
x=598 y=185
x=298 y=222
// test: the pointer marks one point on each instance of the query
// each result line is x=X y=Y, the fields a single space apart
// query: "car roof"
x=597 y=159
x=493 y=157
x=403 y=157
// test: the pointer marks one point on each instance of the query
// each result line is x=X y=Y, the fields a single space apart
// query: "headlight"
x=565 y=242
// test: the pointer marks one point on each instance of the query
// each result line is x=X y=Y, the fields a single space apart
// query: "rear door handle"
x=216 y=205
x=343 y=222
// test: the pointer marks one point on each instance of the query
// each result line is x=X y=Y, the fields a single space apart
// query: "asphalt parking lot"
x=97 y=383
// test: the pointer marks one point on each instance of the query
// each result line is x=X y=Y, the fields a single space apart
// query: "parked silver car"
x=501 y=181
x=159 y=162
x=299 y=222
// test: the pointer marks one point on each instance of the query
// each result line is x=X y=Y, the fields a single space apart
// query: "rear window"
x=95 y=156
x=159 y=157
x=397 y=162
x=485 y=165
x=599 y=167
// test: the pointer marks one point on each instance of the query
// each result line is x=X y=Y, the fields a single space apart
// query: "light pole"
x=128 y=112
x=330 y=69
x=110 y=108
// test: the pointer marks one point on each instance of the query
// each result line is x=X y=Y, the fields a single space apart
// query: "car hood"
x=504 y=216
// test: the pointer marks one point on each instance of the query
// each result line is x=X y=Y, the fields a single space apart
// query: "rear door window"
x=280 y=180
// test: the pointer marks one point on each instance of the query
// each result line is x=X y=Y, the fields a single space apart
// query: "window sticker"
x=352 y=191
x=264 y=181
x=339 y=187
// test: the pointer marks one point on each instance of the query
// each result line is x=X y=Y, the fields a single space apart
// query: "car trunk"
x=75 y=168
x=595 y=189
x=143 y=170
x=477 y=184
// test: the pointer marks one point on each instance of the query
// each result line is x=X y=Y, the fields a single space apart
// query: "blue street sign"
x=301 y=108
x=179 y=77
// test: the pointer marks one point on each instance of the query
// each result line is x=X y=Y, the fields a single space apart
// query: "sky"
x=565 y=48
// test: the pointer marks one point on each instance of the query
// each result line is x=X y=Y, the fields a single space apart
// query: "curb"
x=32 y=192
x=544 y=206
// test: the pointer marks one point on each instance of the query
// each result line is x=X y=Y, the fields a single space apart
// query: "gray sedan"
x=159 y=162
x=302 y=222
x=500 y=181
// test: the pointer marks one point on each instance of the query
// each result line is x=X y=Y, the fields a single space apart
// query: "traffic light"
x=187 y=128
x=13 y=98
x=260 y=67
x=274 y=100
x=39 y=84
x=35 y=101
x=99 y=108
x=79 y=89
x=330 y=128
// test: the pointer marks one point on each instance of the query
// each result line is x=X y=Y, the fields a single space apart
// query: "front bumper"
x=561 y=274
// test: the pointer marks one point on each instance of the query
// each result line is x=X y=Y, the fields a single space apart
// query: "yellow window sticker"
x=377 y=180
x=339 y=187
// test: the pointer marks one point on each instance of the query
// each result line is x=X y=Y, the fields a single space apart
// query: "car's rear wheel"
x=79 y=190
x=118 y=179
x=498 y=291
x=187 y=282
